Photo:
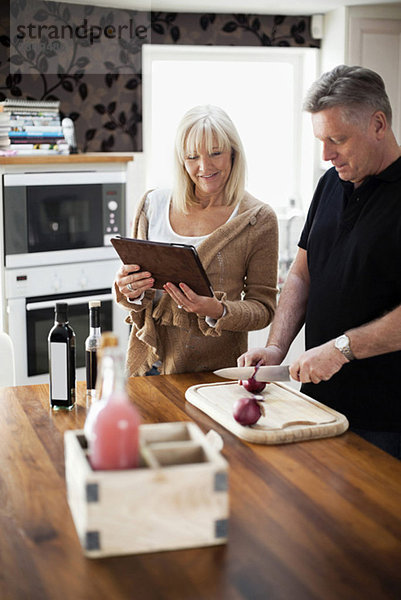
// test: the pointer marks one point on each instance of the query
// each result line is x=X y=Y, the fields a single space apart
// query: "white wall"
x=136 y=187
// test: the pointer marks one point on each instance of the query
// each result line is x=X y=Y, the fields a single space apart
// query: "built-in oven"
x=40 y=313
x=30 y=308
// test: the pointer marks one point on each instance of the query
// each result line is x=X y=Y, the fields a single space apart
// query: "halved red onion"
x=251 y=384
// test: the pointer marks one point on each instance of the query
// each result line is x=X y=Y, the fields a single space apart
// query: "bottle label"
x=59 y=371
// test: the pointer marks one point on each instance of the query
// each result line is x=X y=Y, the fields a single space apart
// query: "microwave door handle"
x=70 y=301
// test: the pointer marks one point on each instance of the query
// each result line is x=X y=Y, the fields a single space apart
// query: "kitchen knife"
x=269 y=373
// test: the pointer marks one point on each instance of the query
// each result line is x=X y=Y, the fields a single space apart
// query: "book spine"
x=34 y=138
x=36 y=130
x=31 y=104
x=37 y=151
x=38 y=142
x=31 y=113
x=35 y=121
x=39 y=146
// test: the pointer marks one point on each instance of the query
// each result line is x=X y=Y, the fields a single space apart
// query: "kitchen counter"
x=311 y=520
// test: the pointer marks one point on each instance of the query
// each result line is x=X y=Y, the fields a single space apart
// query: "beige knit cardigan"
x=241 y=259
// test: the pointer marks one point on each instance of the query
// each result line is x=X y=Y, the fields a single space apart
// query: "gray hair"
x=353 y=88
x=209 y=125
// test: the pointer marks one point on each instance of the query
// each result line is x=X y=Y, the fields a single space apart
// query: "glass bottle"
x=92 y=344
x=108 y=339
x=61 y=350
x=113 y=435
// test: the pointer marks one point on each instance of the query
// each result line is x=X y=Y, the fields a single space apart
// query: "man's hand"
x=270 y=355
x=318 y=364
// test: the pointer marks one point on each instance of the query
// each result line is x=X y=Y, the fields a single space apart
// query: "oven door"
x=32 y=318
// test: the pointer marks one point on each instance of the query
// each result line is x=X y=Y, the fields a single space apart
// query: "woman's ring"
x=179 y=305
x=129 y=286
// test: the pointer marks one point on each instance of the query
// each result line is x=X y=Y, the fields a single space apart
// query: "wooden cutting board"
x=290 y=416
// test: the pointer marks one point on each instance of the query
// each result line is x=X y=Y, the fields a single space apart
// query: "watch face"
x=342 y=342
x=343 y=345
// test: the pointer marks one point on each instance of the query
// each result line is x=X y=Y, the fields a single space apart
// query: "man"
x=345 y=282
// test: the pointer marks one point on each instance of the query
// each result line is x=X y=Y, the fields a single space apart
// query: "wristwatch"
x=342 y=344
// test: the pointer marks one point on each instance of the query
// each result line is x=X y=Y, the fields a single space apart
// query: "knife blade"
x=264 y=373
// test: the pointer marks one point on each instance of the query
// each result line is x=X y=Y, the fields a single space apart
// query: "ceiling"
x=268 y=7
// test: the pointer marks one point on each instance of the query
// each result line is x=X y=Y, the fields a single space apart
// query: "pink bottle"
x=113 y=434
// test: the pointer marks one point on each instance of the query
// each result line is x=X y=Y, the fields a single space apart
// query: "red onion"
x=251 y=385
x=246 y=411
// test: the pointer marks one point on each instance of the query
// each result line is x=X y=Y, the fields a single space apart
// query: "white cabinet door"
x=376 y=44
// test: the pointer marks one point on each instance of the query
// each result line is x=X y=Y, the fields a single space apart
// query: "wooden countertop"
x=89 y=157
x=315 y=520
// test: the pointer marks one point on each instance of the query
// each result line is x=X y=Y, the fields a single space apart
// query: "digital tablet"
x=177 y=263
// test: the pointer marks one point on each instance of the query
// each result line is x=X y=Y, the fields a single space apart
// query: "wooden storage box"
x=176 y=498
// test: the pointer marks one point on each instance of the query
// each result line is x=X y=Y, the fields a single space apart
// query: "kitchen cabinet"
x=369 y=36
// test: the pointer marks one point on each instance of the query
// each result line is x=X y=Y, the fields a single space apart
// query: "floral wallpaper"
x=89 y=58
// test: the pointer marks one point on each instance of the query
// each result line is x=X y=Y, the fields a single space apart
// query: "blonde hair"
x=211 y=126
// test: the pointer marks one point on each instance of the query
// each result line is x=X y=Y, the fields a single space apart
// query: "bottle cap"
x=61 y=310
x=108 y=339
x=61 y=306
x=94 y=303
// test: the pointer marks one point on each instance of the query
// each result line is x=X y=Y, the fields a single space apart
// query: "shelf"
x=90 y=157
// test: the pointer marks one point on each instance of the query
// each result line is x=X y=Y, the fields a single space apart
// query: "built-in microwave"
x=58 y=213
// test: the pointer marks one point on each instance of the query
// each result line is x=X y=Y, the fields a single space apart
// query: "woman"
x=237 y=241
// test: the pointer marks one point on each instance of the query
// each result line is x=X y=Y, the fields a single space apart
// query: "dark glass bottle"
x=61 y=345
x=92 y=344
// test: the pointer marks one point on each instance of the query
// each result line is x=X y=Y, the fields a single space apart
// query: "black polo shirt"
x=353 y=242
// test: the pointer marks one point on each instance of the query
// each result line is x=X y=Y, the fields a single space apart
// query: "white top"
x=157 y=210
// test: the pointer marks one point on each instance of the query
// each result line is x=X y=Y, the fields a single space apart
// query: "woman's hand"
x=189 y=301
x=132 y=282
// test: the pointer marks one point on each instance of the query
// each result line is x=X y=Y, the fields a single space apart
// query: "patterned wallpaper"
x=89 y=58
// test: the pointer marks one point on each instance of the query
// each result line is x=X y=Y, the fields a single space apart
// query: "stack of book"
x=34 y=127
x=4 y=129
